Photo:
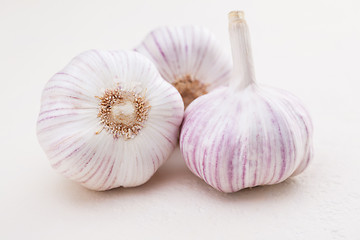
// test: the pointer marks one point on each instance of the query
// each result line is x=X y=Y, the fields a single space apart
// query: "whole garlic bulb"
x=108 y=119
x=246 y=134
x=189 y=57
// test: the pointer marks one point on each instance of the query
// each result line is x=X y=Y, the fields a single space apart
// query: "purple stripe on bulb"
x=167 y=138
x=244 y=165
x=291 y=137
x=75 y=151
x=203 y=166
x=64 y=88
x=69 y=90
x=95 y=172
x=161 y=50
x=42 y=129
x=217 y=164
x=59 y=79
x=95 y=160
x=54 y=110
x=275 y=121
x=224 y=75
x=102 y=59
x=201 y=58
x=209 y=162
x=157 y=163
x=56 y=102
x=58 y=116
x=230 y=173
x=112 y=184
x=187 y=137
x=193 y=156
x=258 y=144
x=86 y=64
x=230 y=144
x=56 y=165
x=171 y=94
x=82 y=166
x=307 y=147
x=193 y=140
x=267 y=146
x=108 y=176
x=175 y=123
x=174 y=48
x=151 y=56
x=69 y=75
x=65 y=148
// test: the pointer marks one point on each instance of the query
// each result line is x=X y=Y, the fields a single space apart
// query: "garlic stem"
x=243 y=68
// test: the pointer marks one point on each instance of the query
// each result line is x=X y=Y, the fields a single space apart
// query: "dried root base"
x=190 y=89
x=122 y=113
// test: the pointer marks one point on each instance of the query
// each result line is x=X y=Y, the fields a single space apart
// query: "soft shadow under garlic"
x=264 y=193
x=171 y=178
x=173 y=174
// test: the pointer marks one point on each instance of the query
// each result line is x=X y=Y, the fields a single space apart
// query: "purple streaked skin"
x=74 y=138
x=269 y=135
x=187 y=51
x=251 y=157
x=159 y=48
x=174 y=47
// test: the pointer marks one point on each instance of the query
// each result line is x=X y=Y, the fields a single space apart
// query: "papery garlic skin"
x=257 y=137
x=76 y=141
x=246 y=135
x=189 y=57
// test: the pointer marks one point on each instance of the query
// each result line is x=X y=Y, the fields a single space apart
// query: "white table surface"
x=310 y=48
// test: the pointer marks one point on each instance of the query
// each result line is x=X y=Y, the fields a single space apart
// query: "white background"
x=308 y=47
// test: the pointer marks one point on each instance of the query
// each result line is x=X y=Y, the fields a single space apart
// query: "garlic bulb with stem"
x=188 y=57
x=108 y=119
x=246 y=134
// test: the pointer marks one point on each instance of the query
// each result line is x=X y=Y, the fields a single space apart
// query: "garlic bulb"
x=246 y=134
x=189 y=57
x=108 y=119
